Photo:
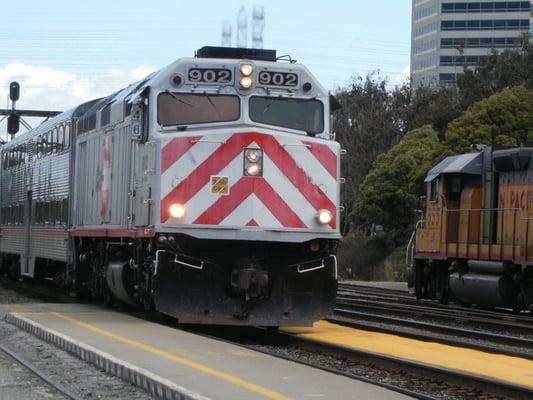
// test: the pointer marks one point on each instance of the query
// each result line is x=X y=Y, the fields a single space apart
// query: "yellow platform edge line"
x=509 y=369
x=179 y=360
x=21 y=308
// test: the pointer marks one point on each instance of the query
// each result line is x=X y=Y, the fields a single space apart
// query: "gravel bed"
x=80 y=378
x=424 y=385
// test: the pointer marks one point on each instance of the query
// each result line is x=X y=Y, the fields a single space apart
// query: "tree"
x=392 y=190
x=369 y=123
x=505 y=118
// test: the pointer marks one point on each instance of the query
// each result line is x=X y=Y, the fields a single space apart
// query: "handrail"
x=410 y=250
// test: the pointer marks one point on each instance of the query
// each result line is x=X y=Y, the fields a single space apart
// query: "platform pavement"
x=174 y=364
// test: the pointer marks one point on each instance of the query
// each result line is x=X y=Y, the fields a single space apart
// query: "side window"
x=434 y=190
x=61 y=138
x=49 y=141
x=64 y=211
x=39 y=146
x=67 y=136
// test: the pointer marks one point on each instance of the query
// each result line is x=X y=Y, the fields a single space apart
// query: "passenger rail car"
x=208 y=191
x=475 y=244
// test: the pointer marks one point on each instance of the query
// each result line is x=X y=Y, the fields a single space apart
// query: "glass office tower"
x=448 y=36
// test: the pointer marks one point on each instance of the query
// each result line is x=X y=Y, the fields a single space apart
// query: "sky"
x=65 y=52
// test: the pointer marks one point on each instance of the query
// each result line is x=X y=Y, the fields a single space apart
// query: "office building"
x=448 y=36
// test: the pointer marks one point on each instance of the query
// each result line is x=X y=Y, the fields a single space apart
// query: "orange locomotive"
x=475 y=245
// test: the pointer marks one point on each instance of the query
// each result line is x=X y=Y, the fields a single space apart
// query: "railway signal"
x=13 y=123
x=14 y=91
x=14 y=116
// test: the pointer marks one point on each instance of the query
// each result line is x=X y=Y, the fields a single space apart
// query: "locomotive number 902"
x=271 y=78
x=209 y=75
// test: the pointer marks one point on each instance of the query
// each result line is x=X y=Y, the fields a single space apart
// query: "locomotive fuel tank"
x=491 y=290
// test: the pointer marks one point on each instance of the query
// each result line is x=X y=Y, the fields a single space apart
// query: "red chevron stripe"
x=325 y=156
x=244 y=188
x=314 y=195
x=221 y=157
x=174 y=149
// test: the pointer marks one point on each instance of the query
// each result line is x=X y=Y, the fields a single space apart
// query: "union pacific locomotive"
x=208 y=191
x=475 y=244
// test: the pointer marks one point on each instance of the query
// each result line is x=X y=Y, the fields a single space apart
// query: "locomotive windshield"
x=300 y=114
x=187 y=108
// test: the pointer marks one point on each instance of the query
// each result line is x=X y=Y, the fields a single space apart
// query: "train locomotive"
x=475 y=244
x=208 y=191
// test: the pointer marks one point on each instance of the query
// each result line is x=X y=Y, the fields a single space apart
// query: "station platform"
x=495 y=367
x=173 y=364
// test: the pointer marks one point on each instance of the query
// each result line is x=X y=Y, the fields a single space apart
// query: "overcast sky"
x=64 y=52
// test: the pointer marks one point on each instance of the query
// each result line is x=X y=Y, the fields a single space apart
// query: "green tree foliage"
x=392 y=189
x=505 y=118
x=502 y=70
x=369 y=123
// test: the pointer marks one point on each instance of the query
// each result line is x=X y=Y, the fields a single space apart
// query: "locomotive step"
x=175 y=364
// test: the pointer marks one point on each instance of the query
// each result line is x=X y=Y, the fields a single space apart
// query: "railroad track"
x=411 y=378
x=37 y=372
x=418 y=380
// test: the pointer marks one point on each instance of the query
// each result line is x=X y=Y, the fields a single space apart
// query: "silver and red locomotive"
x=208 y=191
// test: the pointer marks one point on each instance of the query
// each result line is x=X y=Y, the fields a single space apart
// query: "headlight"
x=253 y=169
x=247 y=69
x=253 y=162
x=253 y=155
x=324 y=217
x=176 y=211
x=246 y=82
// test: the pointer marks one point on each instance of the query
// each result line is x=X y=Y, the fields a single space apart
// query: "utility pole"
x=258 y=26
x=242 y=28
x=226 y=33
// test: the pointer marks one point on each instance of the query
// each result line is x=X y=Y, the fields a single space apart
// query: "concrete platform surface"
x=175 y=364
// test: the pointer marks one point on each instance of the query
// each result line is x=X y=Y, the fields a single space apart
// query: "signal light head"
x=14 y=91
x=13 y=123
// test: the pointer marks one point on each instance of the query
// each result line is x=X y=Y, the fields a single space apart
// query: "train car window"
x=47 y=211
x=187 y=108
x=300 y=114
x=39 y=146
x=61 y=138
x=64 y=211
x=434 y=190
x=49 y=141
x=38 y=213
x=67 y=136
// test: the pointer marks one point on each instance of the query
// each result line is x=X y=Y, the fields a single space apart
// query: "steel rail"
x=385 y=294
x=431 y=312
x=454 y=337
x=28 y=365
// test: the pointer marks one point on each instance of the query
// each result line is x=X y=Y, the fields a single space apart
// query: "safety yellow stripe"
x=495 y=366
x=179 y=360
x=21 y=308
